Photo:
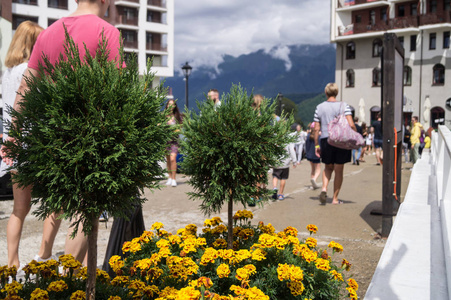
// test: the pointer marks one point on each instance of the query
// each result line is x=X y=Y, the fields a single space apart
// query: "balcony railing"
x=156 y=47
x=29 y=2
x=435 y=18
x=362 y=28
x=159 y=3
x=346 y=3
x=134 y=1
x=131 y=44
x=60 y=4
x=121 y=19
x=404 y=22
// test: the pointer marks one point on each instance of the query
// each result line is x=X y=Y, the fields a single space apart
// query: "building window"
x=358 y=19
x=413 y=42
x=17 y=19
x=377 y=77
x=130 y=38
x=432 y=41
x=401 y=11
x=350 y=50
x=29 y=2
x=446 y=39
x=384 y=14
x=51 y=21
x=438 y=75
x=413 y=9
x=433 y=6
x=377 y=46
x=372 y=17
x=447 y=5
x=401 y=40
x=350 y=78
x=407 y=75
x=61 y=4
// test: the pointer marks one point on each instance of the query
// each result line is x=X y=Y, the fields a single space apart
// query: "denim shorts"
x=377 y=143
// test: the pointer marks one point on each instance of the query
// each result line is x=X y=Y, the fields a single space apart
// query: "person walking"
x=17 y=61
x=377 y=140
x=365 y=136
x=333 y=158
x=300 y=143
x=310 y=155
x=282 y=172
x=87 y=28
x=174 y=118
x=415 y=139
x=213 y=95
x=356 y=153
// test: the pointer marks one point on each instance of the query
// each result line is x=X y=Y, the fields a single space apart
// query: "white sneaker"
x=174 y=183
x=314 y=184
x=39 y=259
x=169 y=182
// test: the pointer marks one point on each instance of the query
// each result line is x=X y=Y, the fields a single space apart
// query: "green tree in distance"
x=229 y=150
x=88 y=136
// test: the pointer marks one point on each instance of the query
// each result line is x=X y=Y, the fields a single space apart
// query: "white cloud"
x=205 y=30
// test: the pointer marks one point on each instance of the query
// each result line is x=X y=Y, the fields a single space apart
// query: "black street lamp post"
x=279 y=98
x=187 y=71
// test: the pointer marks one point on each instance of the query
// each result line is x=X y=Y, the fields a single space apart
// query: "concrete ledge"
x=445 y=210
x=412 y=264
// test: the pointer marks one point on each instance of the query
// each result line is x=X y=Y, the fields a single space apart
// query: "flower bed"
x=159 y=265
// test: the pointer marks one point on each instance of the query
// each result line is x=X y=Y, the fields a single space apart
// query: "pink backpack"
x=341 y=135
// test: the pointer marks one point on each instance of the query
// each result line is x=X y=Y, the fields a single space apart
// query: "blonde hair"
x=22 y=43
x=331 y=90
x=258 y=99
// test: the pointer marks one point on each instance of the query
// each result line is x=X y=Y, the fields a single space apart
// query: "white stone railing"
x=416 y=261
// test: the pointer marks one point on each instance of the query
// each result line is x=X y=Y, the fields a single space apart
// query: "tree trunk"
x=92 y=260
x=230 y=223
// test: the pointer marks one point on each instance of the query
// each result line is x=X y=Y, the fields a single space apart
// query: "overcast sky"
x=207 y=29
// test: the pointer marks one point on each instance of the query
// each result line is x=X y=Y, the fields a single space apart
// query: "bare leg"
x=378 y=155
x=168 y=165
x=282 y=185
x=78 y=245
x=327 y=174
x=173 y=163
x=51 y=226
x=338 y=180
x=317 y=171
x=274 y=182
x=22 y=200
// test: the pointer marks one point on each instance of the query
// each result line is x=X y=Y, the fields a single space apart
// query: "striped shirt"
x=325 y=112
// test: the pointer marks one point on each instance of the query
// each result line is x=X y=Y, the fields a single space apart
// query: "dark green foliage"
x=89 y=135
x=230 y=148
x=306 y=109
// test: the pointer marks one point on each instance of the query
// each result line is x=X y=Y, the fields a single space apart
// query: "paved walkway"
x=351 y=223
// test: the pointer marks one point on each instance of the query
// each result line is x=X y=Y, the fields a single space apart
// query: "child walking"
x=282 y=172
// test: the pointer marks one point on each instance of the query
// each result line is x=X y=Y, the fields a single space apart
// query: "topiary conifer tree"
x=229 y=150
x=87 y=137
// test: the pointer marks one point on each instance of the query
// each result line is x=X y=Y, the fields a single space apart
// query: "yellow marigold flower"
x=69 y=262
x=174 y=239
x=258 y=254
x=346 y=264
x=238 y=290
x=57 y=286
x=78 y=295
x=116 y=263
x=206 y=230
x=219 y=229
x=191 y=229
x=143 y=264
x=208 y=223
x=220 y=244
x=291 y=231
x=164 y=252
x=146 y=236
x=188 y=293
x=168 y=293
x=269 y=229
x=163 y=233
x=312 y=228
x=114 y=298
x=226 y=254
x=163 y=243
x=311 y=242
x=241 y=255
x=157 y=226
x=181 y=231
x=136 y=285
x=120 y=280
x=102 y=276
x=216 y=221
x=352 y=283
x=126 y=247
x=205 y=282
x=209 y=256
x=12 y=288
x=223 y=271
x=39 y=294
x=280 y=243
x=352 y=293
x=150 y=290
x=255 y=293
x=336 y=275
x=246 y=233
x=266 y=240
x=296 y=287
x=322 y=264
x=181 y=267
x=335 y=246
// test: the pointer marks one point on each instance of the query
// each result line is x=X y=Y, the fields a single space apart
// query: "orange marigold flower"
x=312 y=228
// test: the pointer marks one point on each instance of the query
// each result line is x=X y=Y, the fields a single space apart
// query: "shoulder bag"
x=341 y=135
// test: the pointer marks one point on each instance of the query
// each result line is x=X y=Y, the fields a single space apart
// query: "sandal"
x=323 y=198
x=339 y=202
x=281 y=197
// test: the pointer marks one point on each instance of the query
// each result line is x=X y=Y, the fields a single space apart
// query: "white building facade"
x=423 y=27
x=147 y=27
